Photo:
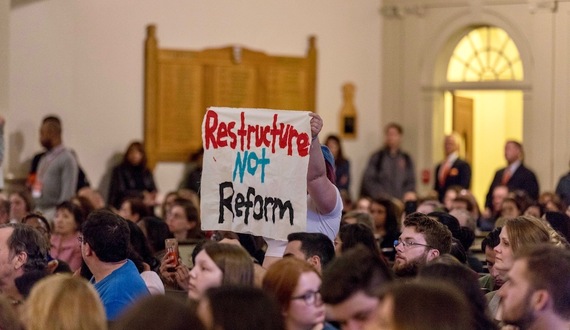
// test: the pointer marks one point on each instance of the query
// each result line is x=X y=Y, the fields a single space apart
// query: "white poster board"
x=254 y=177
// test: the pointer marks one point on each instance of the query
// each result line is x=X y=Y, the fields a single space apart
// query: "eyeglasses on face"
x=310 y=298
x=410 y=244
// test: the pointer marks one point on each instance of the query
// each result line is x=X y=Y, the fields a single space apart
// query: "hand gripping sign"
x=254 y=177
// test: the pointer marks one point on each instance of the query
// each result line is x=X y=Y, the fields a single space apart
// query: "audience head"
x=158 y=312
x=510 y=208
x=21 y=203
x=50 y=132
x=240 y=308
x=133 y=209
x=422 y=239
x=183 y=219
x=363 y=204
x=449 y=221
x=518 y=233
x=465 y=218
x=39 y=222
x=135 y=155
x=168 y=201
x=140 y=245
x=450 y=196
x=535 y=210
x=94 y=197
x=64 y=302
x=421 y=305
x=538 y=290
x=488 y=245
x=464 y=280
x=393 y=135
x=499 y=194
x=219 y=264
x=84 y=203
x=314 y=248
x=550 y=201
x=428 y=205
x=296 y=286
x=22 y=249
x=106 y=235
x=384 y=214
x=559 y=222
x=68 y=219
x=352 y=284
x=350 y=236
x=156 y=231
x=513 y=151
x=356 y=216
x=333 y=143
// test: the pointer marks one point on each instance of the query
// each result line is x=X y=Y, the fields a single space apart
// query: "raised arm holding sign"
x=324 y=204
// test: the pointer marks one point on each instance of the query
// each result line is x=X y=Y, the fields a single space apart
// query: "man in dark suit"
x=515 y=176
x=452 y=171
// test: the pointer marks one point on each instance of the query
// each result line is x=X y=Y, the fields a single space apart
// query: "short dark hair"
x=158 y=312
x=40 y=217
x=29 y=240
x=355 y=234
x=449 y=221
x=436 y=234
x=314 y=244
x=466 y=281
x=107 y=234
x=74 y=209
x=156 y=232
x=419 y=305
x=355 y=270
x=492 y=239
x=54 y=123
x=244 y=308
x=548 y=267
x=137 y=206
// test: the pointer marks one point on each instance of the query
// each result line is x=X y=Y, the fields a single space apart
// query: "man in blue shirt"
x=104 y=246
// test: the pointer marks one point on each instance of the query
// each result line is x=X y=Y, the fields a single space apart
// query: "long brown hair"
x=526 y=230
x=234 y=262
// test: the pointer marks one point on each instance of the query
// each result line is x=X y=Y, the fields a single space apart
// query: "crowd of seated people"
x=390 y=262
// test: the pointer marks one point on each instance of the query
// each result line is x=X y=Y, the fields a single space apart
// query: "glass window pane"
x=486 y=53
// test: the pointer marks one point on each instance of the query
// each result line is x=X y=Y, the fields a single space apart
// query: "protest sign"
x=254 y=177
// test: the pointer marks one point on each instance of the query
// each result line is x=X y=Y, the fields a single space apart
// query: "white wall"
x=83 y=60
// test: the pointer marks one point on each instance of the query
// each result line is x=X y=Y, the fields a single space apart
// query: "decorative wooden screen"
x=181 y=84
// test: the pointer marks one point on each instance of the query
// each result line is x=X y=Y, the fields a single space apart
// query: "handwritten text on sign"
x=255 y=170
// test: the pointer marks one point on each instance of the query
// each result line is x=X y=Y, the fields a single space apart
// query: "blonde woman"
x=64 y=302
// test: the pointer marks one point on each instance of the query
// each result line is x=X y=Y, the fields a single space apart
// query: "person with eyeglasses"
x=422 y=240
x=296 y=285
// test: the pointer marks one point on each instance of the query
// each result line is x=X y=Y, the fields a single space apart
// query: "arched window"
x=485 y=54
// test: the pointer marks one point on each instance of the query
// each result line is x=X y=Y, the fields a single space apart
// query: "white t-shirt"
x=327 y=224
x=153 y=282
